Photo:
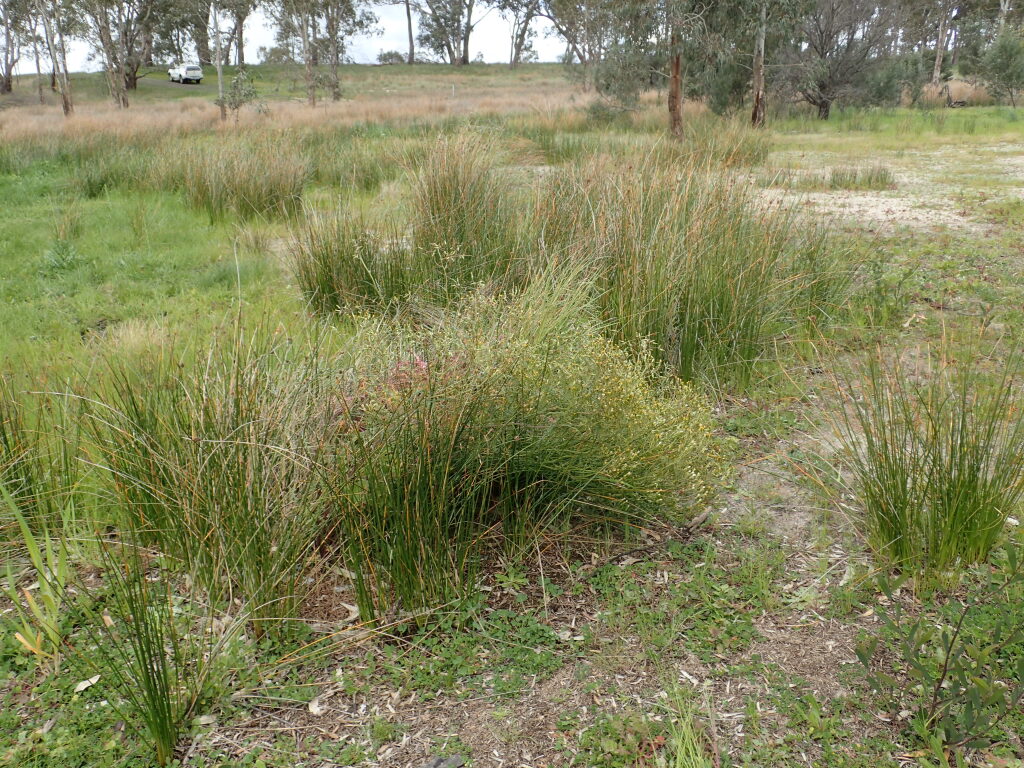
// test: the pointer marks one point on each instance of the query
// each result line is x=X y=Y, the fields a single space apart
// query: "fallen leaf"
x=86 y=684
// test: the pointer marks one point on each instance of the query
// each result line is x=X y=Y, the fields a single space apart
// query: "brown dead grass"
x=430 y=104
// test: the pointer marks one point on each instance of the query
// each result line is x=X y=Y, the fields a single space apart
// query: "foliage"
x=508 y=419
x=242 y=92
x=619 y=741
x=935 y=448
x=1003 y=66
x=391 y=57
x=39 y=626
x=959 y=685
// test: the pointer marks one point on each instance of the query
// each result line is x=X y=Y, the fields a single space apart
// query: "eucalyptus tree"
x=116 y=29
x=643 y=47
x=835 y=48
x=320 y=30
x=587 y=27
x=59 y=20
x=445 y=28
x=520 y=14
x=16 y=28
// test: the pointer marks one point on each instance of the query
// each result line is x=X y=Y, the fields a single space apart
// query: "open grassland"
x=456 y=419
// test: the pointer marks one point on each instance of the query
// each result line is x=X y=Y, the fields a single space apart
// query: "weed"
x=959 y=681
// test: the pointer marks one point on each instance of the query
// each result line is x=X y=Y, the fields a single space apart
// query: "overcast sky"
x=491 y=37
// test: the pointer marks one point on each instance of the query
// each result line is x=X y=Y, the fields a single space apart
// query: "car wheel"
x=199 y=81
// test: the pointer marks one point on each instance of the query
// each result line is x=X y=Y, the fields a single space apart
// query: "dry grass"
x=432 y=103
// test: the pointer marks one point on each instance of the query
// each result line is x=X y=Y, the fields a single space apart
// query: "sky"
x=491 y=37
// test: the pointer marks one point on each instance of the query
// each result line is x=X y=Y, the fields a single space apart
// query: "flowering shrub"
x=510 y=419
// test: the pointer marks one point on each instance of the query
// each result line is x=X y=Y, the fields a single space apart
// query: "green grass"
x=506 y=422
x=491 y=413
x=935 y=449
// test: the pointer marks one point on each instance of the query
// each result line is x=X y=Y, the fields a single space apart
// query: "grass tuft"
x=936 y=448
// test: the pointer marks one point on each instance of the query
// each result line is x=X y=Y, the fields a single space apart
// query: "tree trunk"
x=54 y=37
x=466 y=31
x=675 y=88
x=757 y=115
x=240 y=18
x=940 y=46
x=10 y=58
x=824 y=108
x=219 y=53
x=201 y=36
x=67 y=104
x=519 y=36
x=333 y=31
x=146 y=56
x=113 y=67
x=412 y=41
x=39 y=69
x=307 y=57
x=1004 y=9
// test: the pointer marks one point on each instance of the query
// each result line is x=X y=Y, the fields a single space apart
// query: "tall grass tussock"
x=936 y=450
x=210 y=464
x=676 y=257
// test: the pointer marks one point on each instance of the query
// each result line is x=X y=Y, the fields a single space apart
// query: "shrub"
x=960 y=668
x=1003 y=66
x=936 y=450
x=507 y=419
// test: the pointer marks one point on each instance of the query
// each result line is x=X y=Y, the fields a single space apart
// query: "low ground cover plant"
x=959 y=669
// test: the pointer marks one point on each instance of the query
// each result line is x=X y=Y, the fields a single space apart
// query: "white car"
x=185 y=73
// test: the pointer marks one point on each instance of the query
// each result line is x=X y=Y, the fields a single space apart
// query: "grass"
x=692 y=265
x=935 y=447
x=210 y=465
x=159 y=664
x=247 y=179
x=473 y=484
x=474 y=433
x=875 y=177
